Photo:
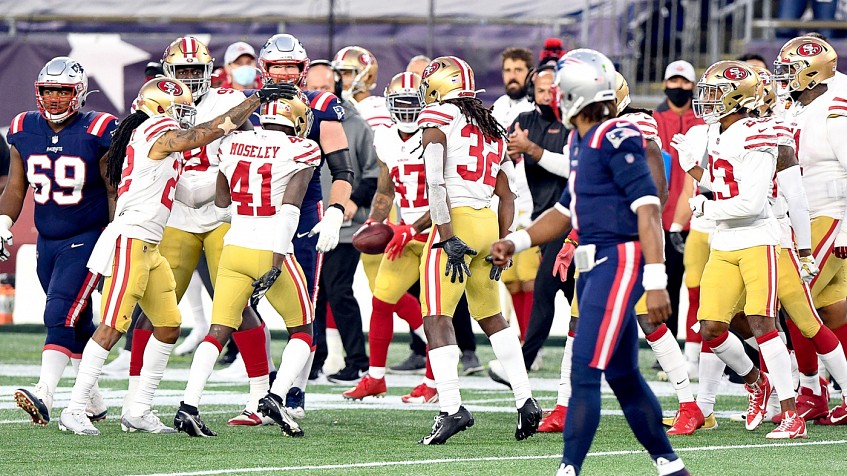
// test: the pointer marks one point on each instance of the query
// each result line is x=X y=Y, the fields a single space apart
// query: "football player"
x=263 y=177
x=402 y=173
x=144 y=164
x=463 y=151
x=359 y=69
x=818 y=116
x=57 y=151
x=609 y=177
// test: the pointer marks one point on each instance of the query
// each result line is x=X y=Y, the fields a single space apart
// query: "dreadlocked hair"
x=475 y=112
x=120 y=139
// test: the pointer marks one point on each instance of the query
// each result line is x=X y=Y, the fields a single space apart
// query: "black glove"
x=261 y=285
x=456 y=249
x=678 y=241
x=496 y=271
x=273 y=91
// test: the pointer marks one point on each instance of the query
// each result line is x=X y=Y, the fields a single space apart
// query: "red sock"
x=381 y=332
x=518 y=300
x=330 y=319
x=804 y=350
x=527 y=309
x=824 y=341
x=251 y=344
x=140 y=338
x=409 y=309
x=429 y=373
x=657 y=334
x=704 y=347
x=841 y=333
x=693 y=306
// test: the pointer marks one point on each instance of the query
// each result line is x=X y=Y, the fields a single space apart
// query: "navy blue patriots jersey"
x=609 y=180
x=64 y=170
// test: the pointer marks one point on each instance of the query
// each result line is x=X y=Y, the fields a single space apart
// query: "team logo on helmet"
x=809 y=49
x=431 y=69
x=365 y=58
x=735 y=73
x=169 y=87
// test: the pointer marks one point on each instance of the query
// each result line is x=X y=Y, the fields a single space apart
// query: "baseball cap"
x=677 y=68
x=237 y=49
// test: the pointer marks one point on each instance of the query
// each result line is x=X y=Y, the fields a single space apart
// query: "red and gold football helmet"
x=403 y=101
x=188 y=51
x=803 y=63
x=294 y=113
x=725 y=88
x=622 y=98
x=167 y=96
x=361 y=68
x=447 y=77
x=766 y=92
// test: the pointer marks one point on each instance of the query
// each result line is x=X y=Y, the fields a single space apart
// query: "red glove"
x=565 y=257
x=403 y=234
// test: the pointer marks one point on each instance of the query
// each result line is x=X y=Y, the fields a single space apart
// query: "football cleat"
x=414 y=364
x=149 y=422
x=688 y=419
x=295 y=402
x=566 y=470
x=423 y=393
x=710 y=422
x=77 y=422
x=757 y=402
x=96 y=409
x=667 y=467
x=791 y=427
x=187 y=420
x=838 y=416
x=811 y=406
x=271 y=406
x=529 y=416
x=445 y=426
x=248 y=418
x=36 y=403
x=367 y=387
x=554 y=422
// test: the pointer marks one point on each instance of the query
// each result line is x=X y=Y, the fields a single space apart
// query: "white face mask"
x=244 y=75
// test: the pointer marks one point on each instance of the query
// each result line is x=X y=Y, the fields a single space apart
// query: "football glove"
x=403 y=234
x=678 y=241
x=261 y=285
x=808 y=268
x=840 y=250
x=496 y=271
x=6 y=239
x=698 y=205
x=564 y=259
x=687 y=159
x=456 y=249
x=328 y=229
x=273 y=91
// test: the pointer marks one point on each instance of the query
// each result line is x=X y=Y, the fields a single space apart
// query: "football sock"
x=194 y=295
x=129 y=396
x=841 y=334
x=429 y=382
x=728 y=347
x=380 y=334
x=140 y=337
x=836 y=364
x=670 y=358
x=202 y=365
x=564 y=393
x=812 y=382
x=583 y=414
x=507 y=349
x=692 y=351
x=53 y=363
x=774 y=352
x=294 y=358
x=303 y=377
x=527 y=312
x=155 y=360
x=271 y=366
x=428 y=373
x=90 y=367
x=251 y=343
x=711 y=370
x=518 y=299
x=75 y=362
x=409 y=309
x=445 y=362
x=691 y=335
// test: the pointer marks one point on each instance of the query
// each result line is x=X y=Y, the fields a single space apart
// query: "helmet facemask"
x=708 y=103
x=404 y=110
x=198 y=86
x=56 y=109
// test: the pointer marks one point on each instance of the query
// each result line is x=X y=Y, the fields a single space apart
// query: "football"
x=373 y=239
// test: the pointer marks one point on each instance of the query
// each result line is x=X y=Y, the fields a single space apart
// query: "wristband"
x=675 y=227
x=338 y=206
x=521 y=239
x=654 y=277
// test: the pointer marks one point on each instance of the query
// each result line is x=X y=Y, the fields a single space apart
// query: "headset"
x=530 y=79
x=336 y=73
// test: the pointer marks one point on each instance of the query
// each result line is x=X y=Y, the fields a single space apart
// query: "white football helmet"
x=283 y=49
x=585 y=76
x=66 y=73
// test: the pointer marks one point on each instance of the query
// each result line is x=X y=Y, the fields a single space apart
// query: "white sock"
x=75 y=365
x=507 y=348
x=259 y=387
x=775 y=355
x=812 y=382
x=670 y=358
x=303 y=377
x=91 y=364
x=376 y=372
x=795 y=370
x=564 y=394
x=428 y=382
x=156 y=356
x=131 y=389
x=751 y=341
x=445 y=362
x=420 y=333
x=836 y=365
x=271 y=366
x=711 y=369
x=202 y=365
x=692 y=352
x=53 y=364
x=294 y=358
x=733 y=355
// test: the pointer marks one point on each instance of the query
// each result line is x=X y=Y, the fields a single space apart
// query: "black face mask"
x=679 y=97
x=546 y=112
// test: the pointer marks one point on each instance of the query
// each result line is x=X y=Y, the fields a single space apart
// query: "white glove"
x=698 y=204
x=808 y=268
x=6 y=240
x=329 y=228
x=687 y=160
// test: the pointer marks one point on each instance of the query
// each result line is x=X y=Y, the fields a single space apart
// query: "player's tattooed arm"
x=111 y=191
x=12 y=199
x=384 y=196
x=423 y=223
x=785 y=158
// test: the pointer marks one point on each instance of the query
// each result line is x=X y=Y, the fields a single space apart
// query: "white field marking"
x=380 y=464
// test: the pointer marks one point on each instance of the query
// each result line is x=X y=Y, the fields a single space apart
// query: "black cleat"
x=446 y=426
x=529 y=416
x=271 y=406
x=188 y=420
x=33 y=405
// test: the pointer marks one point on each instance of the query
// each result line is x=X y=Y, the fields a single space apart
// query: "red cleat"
x=791 y=427
x=367 y=387
x=688 y=419
x=421 y=394
x=838 y=416
x=811 y=406
x=554 y=422
x=757 y=402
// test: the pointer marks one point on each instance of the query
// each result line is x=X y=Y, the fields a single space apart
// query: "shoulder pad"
x=325 y=105
x=436 y=115
x=838 y=107
x=307 y=151
x=154 y=126
x=615 y=132
x=17 y=123
x=100 y=123
x=648 y=126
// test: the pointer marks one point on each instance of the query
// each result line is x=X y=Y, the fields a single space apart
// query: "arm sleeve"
x=754 y=176
x=835 y=126
x=628 y=164
x=790 y=184
x=556 y=164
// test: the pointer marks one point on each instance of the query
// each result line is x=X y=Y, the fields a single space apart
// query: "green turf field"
x=376 y=436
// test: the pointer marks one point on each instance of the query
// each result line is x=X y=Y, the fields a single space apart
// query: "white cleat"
x=566 y=470
x=119 y=366
x=96 y=409
x=77 y=422
x=147 y=423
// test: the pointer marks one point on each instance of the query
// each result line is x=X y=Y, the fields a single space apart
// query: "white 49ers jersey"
x=405 y=163
x=146 y=190
x=473 y=160
x=645 y=122
x=375 y=112
x=201 y=165
x=698 y=138
x=742 y=162
x=258 y=165
x=824 y=177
